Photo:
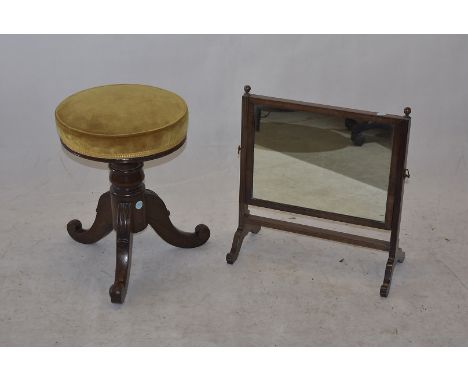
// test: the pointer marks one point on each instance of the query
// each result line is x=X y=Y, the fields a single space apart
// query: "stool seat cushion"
x=122 y=121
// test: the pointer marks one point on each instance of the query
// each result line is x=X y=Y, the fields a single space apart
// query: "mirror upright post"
x=244 y=226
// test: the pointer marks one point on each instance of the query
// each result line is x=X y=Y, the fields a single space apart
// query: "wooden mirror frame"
x=398 y=173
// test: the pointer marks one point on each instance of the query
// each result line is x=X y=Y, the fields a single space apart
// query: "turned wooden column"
x=128 y=205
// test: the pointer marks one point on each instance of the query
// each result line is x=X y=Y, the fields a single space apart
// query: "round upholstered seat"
x=122 y=121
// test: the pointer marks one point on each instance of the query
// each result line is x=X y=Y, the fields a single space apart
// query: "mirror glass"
x=322 y=162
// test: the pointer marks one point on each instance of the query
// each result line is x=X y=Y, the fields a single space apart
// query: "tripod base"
x=128 y=208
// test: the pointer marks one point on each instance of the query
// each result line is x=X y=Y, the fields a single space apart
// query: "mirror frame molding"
x=398 y=173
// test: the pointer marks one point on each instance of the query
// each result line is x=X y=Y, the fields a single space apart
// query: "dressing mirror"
x=328 y=162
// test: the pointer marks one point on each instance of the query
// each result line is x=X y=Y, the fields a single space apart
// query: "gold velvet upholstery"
x=122 y=121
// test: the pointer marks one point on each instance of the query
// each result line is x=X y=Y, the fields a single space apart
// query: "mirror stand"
x=249 y=223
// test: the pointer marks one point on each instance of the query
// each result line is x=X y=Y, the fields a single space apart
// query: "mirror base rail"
x=253 y=224
x=322 y=233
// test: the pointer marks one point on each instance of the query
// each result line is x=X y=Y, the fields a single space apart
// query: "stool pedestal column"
x=128 y=208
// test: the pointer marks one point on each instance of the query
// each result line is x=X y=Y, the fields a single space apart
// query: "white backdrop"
x=377 y=73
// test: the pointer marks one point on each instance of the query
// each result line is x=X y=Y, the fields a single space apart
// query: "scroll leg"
x=118 y=290
x=101 y=227
x=239 y=236
x=238 y=239
x=157 y=216
x=399 y=257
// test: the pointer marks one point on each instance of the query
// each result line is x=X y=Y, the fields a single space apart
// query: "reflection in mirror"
x=322 y=162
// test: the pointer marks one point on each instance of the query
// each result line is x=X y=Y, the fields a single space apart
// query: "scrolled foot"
x=101 y=227
x=117 y=293
x=239 y=236
x=157 y=216
x=232 y=256
x=74 y=228
x=203 y=233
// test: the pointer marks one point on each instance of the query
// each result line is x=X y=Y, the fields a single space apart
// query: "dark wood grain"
x=128 y=208
x=245 y=183
x=396 y=254
x=252 y=223
x=317 y=213
x=238 y=239
x=322 y=233
x=158 y=219
x=287 y=104
x=101 y=227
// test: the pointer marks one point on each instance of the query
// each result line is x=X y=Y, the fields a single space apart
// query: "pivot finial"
x=407 y=111
x=247 y=89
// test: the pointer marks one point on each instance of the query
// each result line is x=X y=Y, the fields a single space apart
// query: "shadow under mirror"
x=322 y=162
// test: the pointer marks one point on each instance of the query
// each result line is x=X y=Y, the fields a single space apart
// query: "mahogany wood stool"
x=126 y=125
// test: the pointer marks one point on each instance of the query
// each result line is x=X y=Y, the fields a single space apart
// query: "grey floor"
x=284 y=289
